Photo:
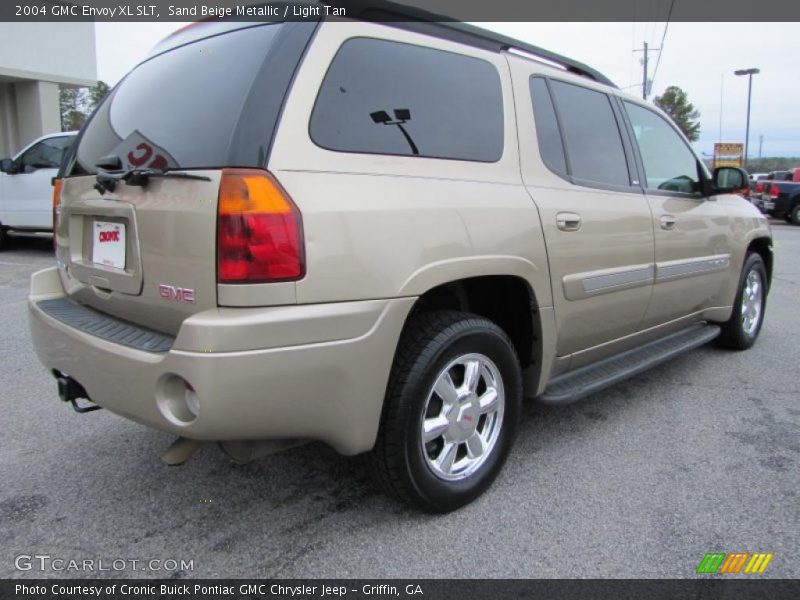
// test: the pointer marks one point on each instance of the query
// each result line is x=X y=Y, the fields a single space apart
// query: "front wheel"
x=741 y=330
x=450 y=413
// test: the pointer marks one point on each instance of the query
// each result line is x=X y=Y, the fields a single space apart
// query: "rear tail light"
x=259 y=230
x=759 y=188
x=774 y=191
x=56 y=207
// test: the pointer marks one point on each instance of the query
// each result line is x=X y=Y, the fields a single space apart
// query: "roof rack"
x=421 y=21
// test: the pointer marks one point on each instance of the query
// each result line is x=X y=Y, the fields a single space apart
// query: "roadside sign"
x=728 y=154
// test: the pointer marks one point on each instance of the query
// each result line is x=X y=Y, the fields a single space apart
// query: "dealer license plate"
x=108 y=244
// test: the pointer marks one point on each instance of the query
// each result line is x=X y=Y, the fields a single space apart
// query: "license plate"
x=108 y=244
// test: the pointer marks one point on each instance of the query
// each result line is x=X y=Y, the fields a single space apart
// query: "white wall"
x=59 y=52
x=34 y=59
x=37 y=110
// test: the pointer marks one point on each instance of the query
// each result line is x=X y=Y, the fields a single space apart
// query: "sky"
x=698 y=57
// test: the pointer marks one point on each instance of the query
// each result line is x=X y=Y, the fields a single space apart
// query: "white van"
x=26 y=192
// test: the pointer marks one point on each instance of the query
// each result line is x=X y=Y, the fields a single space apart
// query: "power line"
x=663 y=37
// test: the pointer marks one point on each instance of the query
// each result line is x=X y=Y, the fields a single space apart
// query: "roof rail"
x=421 y=21
x=504 y=43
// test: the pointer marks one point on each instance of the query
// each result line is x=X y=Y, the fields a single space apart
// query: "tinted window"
x=385 y=97
x=591 y=134
x=181 y=108
x=669 y=165
x=47 y=154
x=550 y=145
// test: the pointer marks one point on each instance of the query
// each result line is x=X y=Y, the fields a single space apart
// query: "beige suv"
x=382 y=237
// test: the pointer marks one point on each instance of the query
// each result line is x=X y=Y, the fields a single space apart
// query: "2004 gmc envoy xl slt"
x=382 y=236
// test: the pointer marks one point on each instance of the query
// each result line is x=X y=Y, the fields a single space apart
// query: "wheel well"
x=506 y=300
x=763 y=246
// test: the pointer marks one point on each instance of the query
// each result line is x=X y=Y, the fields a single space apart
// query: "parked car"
x=400 y=232
x=26 y=190
x=783 y=201
x=756 y=190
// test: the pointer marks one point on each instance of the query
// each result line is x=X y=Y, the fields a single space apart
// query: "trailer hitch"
x=71 y=391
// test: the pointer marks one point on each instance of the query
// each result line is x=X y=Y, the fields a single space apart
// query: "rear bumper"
x=310 y=372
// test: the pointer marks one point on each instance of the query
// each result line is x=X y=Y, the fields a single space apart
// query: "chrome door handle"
x=667 y=222
x=567 y=221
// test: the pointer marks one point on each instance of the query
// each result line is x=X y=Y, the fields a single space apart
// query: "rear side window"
x=382 y=97
x=181 y=108
x=591 y=134
x=551 y=146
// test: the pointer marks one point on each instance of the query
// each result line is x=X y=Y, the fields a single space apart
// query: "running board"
x=592 y=378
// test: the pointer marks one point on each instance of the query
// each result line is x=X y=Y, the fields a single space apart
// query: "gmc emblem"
x=177 y=294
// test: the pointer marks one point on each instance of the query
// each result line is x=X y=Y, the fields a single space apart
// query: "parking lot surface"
x=699 y=455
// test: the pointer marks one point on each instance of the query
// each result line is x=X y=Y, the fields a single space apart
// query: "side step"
x=587 y=380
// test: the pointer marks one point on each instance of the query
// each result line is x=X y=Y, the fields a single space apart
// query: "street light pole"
x=749 y=73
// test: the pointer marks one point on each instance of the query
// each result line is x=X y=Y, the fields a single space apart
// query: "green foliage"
x=78 y=103
x=97 y=93
x=675 y=103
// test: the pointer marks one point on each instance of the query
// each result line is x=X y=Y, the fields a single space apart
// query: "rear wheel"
x=796 y=215
x=3 y=237
x=451 y=411
x=741 y=330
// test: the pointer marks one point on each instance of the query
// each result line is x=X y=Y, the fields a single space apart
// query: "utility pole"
x=721 y=104
x=646 y=51
x=644 y=75
x=749 y=73
x=760 y=144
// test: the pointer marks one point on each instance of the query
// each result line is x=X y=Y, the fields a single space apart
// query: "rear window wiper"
x=107 y=180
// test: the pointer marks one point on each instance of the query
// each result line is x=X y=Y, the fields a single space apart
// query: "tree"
x=96 y=95
x=72 y=117
x=676 y=104
x=78 y=103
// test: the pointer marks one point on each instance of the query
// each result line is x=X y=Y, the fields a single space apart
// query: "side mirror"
x=7 y=166
x=729 y=179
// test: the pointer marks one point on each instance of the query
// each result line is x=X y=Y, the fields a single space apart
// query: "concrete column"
x=37 y=110
x=9 y=137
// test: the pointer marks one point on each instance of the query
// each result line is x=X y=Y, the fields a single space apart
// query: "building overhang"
x=8 y=75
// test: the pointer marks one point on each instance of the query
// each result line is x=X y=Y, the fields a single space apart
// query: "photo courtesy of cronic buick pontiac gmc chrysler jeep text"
x=382 y=236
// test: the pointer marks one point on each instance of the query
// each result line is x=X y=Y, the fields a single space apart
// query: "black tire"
x=3 y=237
x=734 y=335
x=431 y=341
x=795 y=218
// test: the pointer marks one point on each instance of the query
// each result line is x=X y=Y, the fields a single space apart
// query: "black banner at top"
x=712 y=11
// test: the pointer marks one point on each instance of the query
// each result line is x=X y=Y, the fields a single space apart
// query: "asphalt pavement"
x=699 y=455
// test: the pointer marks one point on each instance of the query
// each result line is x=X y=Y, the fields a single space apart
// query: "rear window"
x=382 y=97
x=182 y=108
